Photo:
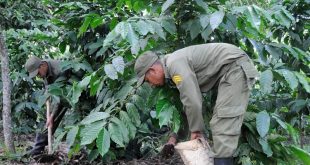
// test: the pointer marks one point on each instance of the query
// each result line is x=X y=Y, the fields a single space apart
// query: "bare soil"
x=22 y=142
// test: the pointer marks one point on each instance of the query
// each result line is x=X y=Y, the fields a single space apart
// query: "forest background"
x=109 y=117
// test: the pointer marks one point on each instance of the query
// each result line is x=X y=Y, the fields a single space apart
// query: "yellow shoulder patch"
x=177 y=79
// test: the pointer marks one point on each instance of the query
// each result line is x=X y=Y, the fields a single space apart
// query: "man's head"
x=36 y=67
x=149 y=68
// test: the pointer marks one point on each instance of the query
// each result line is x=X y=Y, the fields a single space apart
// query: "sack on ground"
x=195 y=152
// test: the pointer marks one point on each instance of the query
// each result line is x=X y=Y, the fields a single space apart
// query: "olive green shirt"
x=53 y=70
x=196 y=69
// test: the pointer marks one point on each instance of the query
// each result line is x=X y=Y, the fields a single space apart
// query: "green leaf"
x=289 y=77
x=94 y=47
x=90 y=132
x=85 y=66
x=122 y=28
x=165 y=115
x=239 y=9
x=96 y=22
x=138 y=6
x=166 y=5
x=176 y=120
x=249 y=116
x=58 y=140
x=206 y=33
x=135 y=48
x=74 y=150
x=85 y=25
x=133 y=39
x=158 y=29
x=303 y=80
x=169 y=25
x=133 y=114
x=23 y=105
x=143 y=27
x=266 y=148
x=101 y=95
x=251 y=126
x=93 y=155
x=95 y=116
x=139 y=102
x=243 y=150
x=153 y=97
x=109 y=38
x=62 y=46
x=274 y=51
x=202 y=4
x=131 y=128
x=290 y=50
x=282 y=18
x=264 y=13
x=280 y=122
x=95 y=84
x=103 y=142
x=76 y=93
x=245 y=160
x=301 y=154
x=204 y=20
x=124 y=92
x=253 y=142
x=194 y=29
x=216 y=19
x=253 y=17
x=276 y=138
x=298 y=105
x=110 y=71
x=161 y=104
x=72 y=135
x=259 y=48
x=84 y=83
x=121 y=136
x=262 y=123
x=101 y=51
x=302 y=54
x=292 y=131
x=119 y=64
x=266 y=81
x=115 y=134
x=144 y=91
x=288 y=14
x=132 y=36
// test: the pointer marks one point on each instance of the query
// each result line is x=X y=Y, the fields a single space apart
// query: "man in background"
x=49 y=71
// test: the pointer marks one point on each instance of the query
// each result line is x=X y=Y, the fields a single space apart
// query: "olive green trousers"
x=234 y=88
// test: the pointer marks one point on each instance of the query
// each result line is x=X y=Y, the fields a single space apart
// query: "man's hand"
x=168 y=149
x=196 y=135
x=49 y=121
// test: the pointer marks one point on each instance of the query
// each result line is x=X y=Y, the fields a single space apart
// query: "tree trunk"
x=6 y=112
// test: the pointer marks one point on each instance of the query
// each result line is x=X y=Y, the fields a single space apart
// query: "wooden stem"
x=49 y=128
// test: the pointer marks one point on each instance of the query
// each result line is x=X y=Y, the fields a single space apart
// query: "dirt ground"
x=60 y=156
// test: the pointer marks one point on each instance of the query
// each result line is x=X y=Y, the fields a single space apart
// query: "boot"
x=223 y=161
x=40 y=143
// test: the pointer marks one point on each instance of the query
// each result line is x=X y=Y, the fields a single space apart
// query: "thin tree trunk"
x=6 y=112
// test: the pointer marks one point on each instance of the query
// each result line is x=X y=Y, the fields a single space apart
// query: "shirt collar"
x=50 y=71
x=163 y=61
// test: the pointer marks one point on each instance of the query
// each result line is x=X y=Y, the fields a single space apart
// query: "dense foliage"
x=112 y=119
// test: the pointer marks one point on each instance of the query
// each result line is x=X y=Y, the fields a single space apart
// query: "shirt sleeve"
x=185 y=80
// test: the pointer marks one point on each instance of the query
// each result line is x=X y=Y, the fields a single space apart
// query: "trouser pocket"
x=233 y=94
x=250 y=71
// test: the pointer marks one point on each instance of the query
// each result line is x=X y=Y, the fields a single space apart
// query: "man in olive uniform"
x=199 y=68
x=49 y=70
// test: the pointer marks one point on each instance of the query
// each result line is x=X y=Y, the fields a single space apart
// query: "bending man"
x=199 y=68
